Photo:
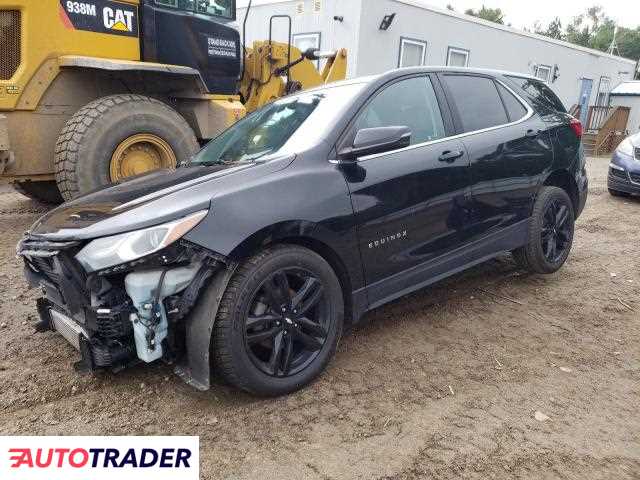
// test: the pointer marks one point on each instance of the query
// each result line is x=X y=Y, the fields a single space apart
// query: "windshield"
x=218 y=8
x=285 y=126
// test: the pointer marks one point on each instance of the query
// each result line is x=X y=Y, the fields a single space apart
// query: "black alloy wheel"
x=287 y=323
x=556 y=231
x=278 y=322
x=550 y=232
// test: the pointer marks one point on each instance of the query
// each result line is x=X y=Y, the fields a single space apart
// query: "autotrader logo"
x=70 y=458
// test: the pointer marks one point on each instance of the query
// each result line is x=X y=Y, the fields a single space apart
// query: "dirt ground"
x=453 y=381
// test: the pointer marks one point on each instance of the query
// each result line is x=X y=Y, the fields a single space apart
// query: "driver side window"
x=411 y=103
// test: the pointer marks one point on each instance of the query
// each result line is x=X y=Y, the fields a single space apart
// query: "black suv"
x=256 y=255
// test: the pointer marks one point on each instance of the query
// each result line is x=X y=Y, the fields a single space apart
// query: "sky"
x=523 y=13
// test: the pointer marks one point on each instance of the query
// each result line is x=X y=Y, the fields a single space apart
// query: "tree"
x=594 y=29
x=554 y=30
x=492 y=14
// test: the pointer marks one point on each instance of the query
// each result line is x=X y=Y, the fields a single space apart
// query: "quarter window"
x=543 y=98
x=457 y=57
x=413 y=53
x=515 y=109
x=477 y=101
x=411 y=103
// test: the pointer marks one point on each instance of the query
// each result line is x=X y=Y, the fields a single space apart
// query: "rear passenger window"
x=545 y=100
x=477 y=101
x=515 y=109
x=409 y=103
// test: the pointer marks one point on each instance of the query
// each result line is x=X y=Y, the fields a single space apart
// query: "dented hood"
x=147 y=200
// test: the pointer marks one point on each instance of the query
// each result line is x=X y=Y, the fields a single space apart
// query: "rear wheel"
x=279 y=321
x=550 y=234
x=45 y=192
x=117 y=137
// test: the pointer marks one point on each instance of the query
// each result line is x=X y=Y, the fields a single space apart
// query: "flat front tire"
x=550 y=234
x=279 y=321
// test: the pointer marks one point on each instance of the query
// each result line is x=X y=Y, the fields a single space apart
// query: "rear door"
x=411 y=204
x=508 y=147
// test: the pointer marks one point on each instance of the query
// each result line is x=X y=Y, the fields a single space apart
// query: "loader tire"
x=44 y=192
x=128 y=127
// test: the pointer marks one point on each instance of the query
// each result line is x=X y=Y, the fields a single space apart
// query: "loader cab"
x=194 y=33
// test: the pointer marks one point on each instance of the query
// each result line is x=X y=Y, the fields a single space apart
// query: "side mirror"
x=370 y=141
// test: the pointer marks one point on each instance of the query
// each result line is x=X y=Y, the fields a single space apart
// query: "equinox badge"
x=390 y=238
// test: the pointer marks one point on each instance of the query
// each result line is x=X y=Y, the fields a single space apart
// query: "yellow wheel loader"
x=94 y=91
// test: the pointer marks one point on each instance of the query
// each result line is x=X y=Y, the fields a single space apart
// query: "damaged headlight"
x=109 y=251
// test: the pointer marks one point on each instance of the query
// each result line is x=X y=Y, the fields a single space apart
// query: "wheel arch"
x=563 y=179
x=304 y=234
x=65 y=85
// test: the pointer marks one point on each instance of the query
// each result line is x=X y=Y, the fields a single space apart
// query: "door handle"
x=532 y=133
x=450 y=156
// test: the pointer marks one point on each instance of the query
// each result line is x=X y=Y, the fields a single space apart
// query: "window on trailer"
x=413 y=53
x=603 y=92
x=305 y=41
x=543 y=72
x=457 y=57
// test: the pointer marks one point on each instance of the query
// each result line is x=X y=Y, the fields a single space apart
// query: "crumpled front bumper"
x=109 y=335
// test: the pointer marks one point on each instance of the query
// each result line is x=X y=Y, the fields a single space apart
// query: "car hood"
x=147 y=200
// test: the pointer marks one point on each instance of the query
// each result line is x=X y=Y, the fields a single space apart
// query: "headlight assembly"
x=109 y=251
x=626 y=147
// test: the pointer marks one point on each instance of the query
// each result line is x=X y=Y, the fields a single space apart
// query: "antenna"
x=613 y=48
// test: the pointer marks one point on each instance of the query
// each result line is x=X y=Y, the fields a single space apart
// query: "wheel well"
x=562 y=179
x=328 y=254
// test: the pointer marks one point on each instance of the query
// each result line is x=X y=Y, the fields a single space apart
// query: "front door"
x=411 y=204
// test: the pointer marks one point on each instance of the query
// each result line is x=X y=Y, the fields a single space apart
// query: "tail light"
x=576 y=126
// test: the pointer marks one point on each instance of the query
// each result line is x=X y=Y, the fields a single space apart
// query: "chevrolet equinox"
x=254 y=257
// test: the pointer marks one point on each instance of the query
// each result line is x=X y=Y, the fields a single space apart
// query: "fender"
x=195 y=368
x=50 y=69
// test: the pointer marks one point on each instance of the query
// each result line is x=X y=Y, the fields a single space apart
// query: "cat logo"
x=118 y=20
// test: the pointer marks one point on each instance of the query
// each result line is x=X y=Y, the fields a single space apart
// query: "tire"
x=236 y=352
x=616 y=193
x=45 y=192
x=90 y=137
x=537 y=255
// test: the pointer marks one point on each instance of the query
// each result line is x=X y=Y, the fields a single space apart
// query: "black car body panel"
x=148 y=200
x=388 y=223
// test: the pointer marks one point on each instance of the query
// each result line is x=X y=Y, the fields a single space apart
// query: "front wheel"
x=279 y=321
x=550 y=234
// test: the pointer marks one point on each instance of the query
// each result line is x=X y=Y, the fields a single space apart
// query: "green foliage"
x=492 y=14
x=594 y=29
x=553 y=30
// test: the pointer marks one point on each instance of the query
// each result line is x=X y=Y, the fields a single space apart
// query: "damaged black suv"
x=256 y=255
